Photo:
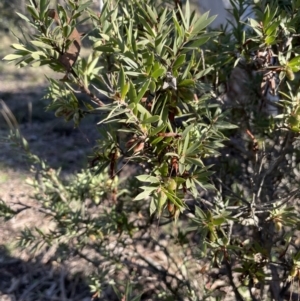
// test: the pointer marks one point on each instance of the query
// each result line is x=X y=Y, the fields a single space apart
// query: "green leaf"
x=182 y=18
x=43 y=7
x=219 y=221
x=83 y=6
x=122 y=80
x=34 y=13
x=20 y=47
x=152 y=119
x=162 y=20
x=294 y=64
x=152 y=13
x=256 y=27
x=148 y=178
x=171 y=155
x=143 y=90
x=132 y=93
x=125 y=91
x=23 y=17
x=195 y=146
x=105 y=36
x=143 y=111
x=148 y=188
x=152 y=87
x=179 y=61
x=187 y=69
x=152 y=207
x=92 y=65
x=194 y=161
x=187 y=10
x=178 y=28
x=158 y=129
x=225 y=125
x=185 y=144
x=143 y=195
x=130 y=62
x=202 y=23
x=67 y=30
x=203 y=72
x=187 y=130
x=186 y=83
x=41 y=44
x=270 y=40
x=114 y=112
x=196 y=43
x=174 y=199
x=158 y=72
x=157 y=140
x=147 y=27
x=37 y=55
x=12 y=57
x=106 y=49
x=271 y=30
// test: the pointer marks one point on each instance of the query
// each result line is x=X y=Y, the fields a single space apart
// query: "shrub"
x=226 y=173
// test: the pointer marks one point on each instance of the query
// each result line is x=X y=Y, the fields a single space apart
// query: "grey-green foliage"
x=147 y=62
x=153 y=78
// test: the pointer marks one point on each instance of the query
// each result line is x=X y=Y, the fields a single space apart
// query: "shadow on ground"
x=34 y=280
x=52 y=139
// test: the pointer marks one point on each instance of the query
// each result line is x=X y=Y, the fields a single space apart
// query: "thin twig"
x=282 y=202
x=237 y=294
x=233 y=193
x=62 y=285
x=274 y=165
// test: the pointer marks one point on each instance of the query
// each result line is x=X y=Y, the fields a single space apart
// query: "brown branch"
x=243 y=200
x=237 y=294
x=274 y=165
